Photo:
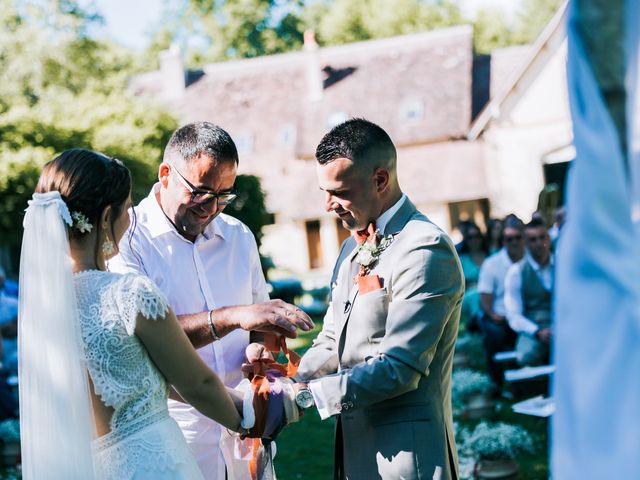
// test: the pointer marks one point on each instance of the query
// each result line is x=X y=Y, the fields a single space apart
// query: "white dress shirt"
x=220 y=268
x=319 y=397
x=513 y=293
x=491 y=279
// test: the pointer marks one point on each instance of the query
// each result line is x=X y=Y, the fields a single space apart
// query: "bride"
x=98 y=350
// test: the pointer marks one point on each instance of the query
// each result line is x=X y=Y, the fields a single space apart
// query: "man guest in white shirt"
x=528 y=296
x=207 y=264
x=498 y=335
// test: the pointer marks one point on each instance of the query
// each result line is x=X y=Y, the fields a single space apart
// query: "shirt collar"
x=535 y=265
x=158 y=223
x=383 y=219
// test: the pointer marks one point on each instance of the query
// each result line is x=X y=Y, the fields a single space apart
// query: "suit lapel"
x=348 y=290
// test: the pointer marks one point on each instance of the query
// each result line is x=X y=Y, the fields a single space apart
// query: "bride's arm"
x=234 y=394
x=175 y=357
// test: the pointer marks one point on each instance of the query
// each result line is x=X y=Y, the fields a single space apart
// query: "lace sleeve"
x=138 y=294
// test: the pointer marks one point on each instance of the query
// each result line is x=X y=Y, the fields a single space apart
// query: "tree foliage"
x=344 y=21
x=491 y=30
x=244 y=28
x=61 y=89
x=249 y=28
x=250 y=206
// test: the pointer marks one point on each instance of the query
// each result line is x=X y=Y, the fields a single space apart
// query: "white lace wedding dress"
x=144 y=442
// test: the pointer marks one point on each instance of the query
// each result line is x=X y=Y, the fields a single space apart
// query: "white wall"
x=536 y=122
x=286 y=243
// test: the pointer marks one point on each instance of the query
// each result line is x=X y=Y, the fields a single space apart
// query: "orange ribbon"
x=262 y=389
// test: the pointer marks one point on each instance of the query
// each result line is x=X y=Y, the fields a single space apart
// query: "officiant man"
x=382 y=362
x=207 y=265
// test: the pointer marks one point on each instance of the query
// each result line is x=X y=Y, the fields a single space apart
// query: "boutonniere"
x=369 y=251
x=367 y=255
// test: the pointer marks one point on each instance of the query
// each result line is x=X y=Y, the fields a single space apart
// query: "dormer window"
x=287 y=134
x=412 y=110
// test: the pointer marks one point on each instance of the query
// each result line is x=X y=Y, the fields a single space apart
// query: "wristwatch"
x=304 y=397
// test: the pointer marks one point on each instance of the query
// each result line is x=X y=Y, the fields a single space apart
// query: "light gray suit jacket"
x=384 y=359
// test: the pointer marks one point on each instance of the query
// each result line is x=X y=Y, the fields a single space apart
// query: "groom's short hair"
x=359 y=140
x=199 y=138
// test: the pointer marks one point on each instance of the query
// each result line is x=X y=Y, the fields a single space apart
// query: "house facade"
x=472 y=134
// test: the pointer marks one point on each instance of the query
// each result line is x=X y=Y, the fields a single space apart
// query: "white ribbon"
x=43 y=199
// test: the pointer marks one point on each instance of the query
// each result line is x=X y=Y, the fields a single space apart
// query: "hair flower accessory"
x=81 y=222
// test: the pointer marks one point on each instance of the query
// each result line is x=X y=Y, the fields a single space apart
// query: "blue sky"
x=130 y=22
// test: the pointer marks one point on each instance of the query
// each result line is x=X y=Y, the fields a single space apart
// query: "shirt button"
x=338 y=407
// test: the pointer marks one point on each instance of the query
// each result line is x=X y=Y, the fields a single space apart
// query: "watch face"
x=304 y=398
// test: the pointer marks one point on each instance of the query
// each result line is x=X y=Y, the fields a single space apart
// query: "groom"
x=382 y=363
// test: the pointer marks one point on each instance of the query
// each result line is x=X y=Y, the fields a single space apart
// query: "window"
x=314 y=245
x=412 y=109
x=474 y=210
x=244 y=143
x=287 y=134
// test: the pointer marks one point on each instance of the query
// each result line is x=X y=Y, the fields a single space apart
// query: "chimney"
x=172 y=71
x=314 y=75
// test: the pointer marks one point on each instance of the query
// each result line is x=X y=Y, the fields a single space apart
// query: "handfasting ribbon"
x=260 y=383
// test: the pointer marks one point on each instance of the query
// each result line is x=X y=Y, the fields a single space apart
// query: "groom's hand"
x=272 y=316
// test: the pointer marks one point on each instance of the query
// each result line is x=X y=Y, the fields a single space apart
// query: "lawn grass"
x=305 y=449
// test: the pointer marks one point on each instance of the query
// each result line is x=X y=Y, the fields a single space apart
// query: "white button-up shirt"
x=220 y=268
x=491 y=280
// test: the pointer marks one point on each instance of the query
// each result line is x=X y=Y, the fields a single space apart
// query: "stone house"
x=466 y=127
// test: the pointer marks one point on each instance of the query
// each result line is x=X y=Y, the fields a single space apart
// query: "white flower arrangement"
x=465 y=383
x=498 y=441
x=81 y=222
x=369 y=252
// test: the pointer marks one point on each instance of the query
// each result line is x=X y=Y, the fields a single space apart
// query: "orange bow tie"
x=368 y=233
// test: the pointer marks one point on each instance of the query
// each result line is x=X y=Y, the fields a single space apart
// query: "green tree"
x=244 y=28
x=532 y=18
x=60 y=89
x=343 y=21
x=490 y=31
x=250 y=207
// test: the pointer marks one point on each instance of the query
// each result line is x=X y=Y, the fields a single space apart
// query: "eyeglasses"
x=512 y=238
x=204 y=197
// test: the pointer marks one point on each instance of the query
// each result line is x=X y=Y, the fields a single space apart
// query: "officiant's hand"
x=272 y=316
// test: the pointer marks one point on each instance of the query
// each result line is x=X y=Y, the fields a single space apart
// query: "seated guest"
x=498 y=336
x=493 y=237
x=528 y=287
x=473 y=251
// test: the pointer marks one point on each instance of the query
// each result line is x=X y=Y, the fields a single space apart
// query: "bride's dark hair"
x=88 y=182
